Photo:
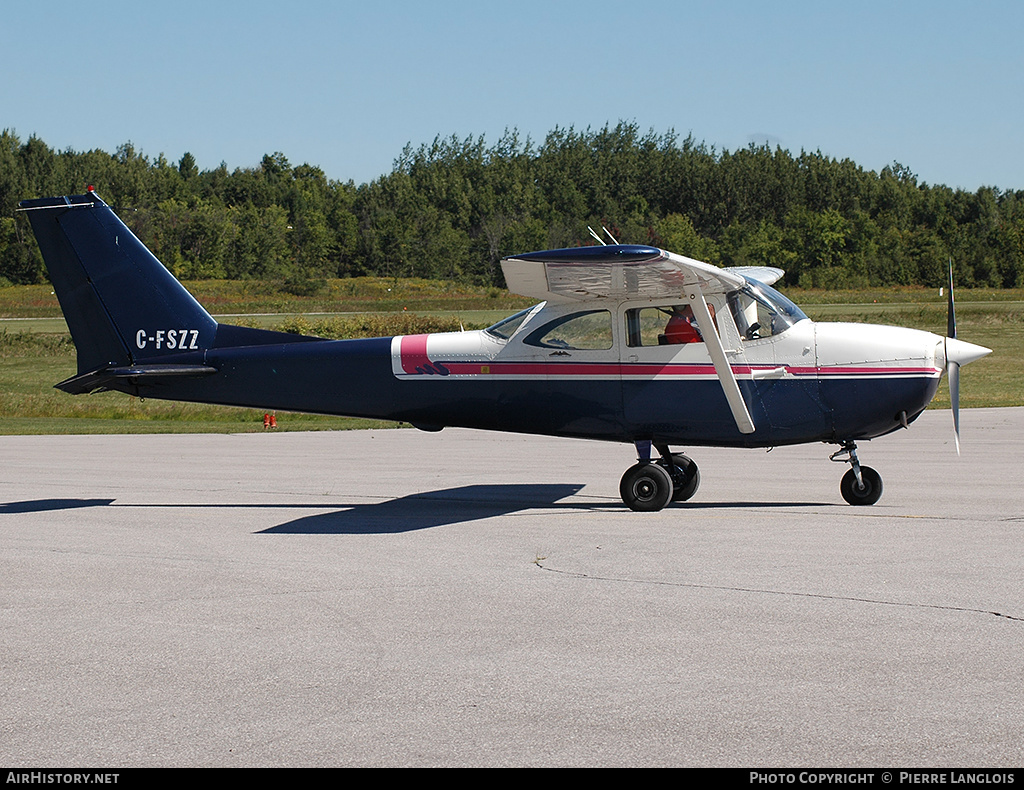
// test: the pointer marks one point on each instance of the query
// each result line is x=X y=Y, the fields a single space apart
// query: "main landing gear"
x=862 y=485
x=650 y=485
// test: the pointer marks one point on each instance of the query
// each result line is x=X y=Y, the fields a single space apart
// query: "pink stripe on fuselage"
x=414 y=353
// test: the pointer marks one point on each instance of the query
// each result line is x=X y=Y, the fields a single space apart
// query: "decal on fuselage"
x=413 y=359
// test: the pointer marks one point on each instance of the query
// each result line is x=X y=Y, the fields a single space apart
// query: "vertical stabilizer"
x=121 y=305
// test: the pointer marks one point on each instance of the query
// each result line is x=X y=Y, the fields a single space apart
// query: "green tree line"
x=451 y=209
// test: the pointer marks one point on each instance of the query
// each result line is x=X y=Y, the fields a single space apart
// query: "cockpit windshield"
x=760 y=311
x=507 y=327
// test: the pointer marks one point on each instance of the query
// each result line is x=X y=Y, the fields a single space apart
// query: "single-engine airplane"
x=630 y=343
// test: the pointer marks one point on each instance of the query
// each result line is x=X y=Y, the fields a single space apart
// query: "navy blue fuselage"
x=355 y=378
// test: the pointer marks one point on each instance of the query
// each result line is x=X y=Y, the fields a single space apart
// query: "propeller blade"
x=953 y=367
x=951 y=309
x=953 y=372
x=957 y=353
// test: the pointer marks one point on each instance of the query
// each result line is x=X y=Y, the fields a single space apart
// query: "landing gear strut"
x=650 y=485
x=862 y=485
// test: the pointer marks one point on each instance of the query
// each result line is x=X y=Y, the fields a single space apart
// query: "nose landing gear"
x=861 y=485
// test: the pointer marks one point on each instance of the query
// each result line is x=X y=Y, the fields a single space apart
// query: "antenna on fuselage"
x=599 y=239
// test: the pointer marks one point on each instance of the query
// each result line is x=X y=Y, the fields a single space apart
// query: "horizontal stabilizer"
x=101 y=378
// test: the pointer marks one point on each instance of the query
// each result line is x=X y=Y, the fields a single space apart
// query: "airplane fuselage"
x=810 y=382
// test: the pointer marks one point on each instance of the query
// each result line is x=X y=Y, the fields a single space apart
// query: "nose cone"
x=875 y=378
x=960 y=352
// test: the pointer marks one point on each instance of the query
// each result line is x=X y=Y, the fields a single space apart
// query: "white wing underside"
x=662 y=276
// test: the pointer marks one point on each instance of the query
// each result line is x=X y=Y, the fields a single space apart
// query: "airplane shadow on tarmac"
x=405 y=514
x=42 y=505
x=467 y=503
x=430 y=509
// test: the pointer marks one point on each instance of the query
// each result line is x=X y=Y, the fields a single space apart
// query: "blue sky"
x=937 y=86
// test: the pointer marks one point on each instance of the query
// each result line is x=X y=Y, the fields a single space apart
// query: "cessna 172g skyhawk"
x=630 y=344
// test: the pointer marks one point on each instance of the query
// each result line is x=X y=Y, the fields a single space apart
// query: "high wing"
x=624 y=271
x=764 y=274
x=629 y=271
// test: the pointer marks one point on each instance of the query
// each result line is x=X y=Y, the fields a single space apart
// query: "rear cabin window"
x=591 y=330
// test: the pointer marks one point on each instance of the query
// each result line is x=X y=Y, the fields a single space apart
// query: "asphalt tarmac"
x=395 y=598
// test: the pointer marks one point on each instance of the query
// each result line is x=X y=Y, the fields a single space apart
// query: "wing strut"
x=722 y=367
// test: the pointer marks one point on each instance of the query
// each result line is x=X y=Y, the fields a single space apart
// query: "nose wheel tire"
x=865 y=494
x=646 y=487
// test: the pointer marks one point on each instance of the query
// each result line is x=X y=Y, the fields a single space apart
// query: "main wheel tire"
x=867 y=494
x=646 y=487
x=685 y=476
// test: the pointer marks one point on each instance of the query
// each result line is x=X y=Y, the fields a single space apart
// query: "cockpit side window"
x=591 y=330
x=667 y=325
